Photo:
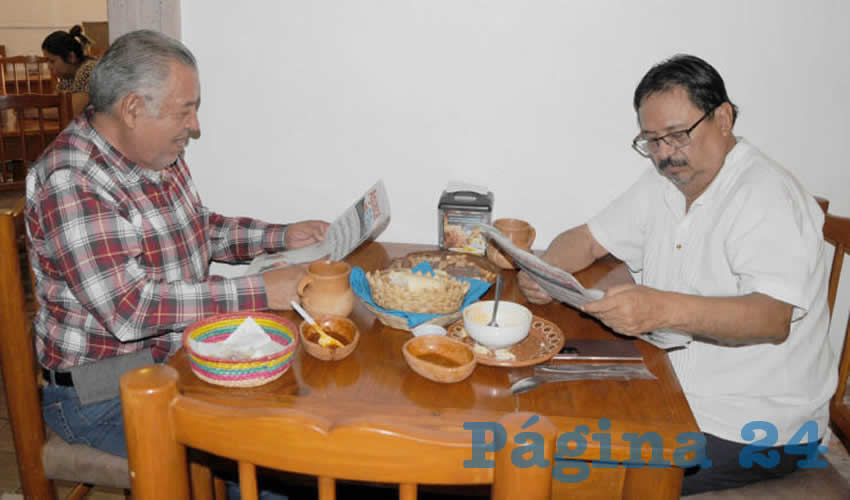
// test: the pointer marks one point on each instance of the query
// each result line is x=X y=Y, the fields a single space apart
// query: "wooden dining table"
x=375 y=381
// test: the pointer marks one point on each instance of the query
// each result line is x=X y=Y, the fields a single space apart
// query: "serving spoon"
x=526 y=384
x=325 y=340
x=498 y=294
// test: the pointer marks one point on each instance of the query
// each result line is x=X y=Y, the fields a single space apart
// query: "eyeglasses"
x=676 y=140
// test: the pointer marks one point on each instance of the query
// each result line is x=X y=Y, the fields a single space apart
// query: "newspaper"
x=365 y=219
x=558 y=283
x=669 y=340
x=564 y=287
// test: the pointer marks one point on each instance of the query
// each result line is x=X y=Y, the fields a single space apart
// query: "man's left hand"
x=304 y=233
x=630 y=309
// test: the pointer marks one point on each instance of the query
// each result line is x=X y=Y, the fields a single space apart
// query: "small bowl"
x=428 y=329
x=338 y=326
x=514 y=322
x=439 y=358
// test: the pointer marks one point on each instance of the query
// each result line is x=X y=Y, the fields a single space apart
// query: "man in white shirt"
x=727 y=247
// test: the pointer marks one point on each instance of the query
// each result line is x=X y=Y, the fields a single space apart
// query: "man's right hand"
x=532 y=290
x=281 y=284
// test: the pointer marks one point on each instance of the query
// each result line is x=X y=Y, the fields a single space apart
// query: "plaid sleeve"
x=92 y=248
x=237 y=239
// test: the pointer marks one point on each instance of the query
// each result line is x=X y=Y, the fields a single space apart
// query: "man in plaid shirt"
x=120 y=242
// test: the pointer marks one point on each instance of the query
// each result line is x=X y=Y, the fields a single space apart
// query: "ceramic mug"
x=325 y=290
x=520 y=232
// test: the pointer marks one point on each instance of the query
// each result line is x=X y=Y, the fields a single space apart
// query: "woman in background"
x=66 y=56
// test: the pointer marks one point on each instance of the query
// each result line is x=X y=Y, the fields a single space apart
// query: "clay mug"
x=521 y=233
x=325 y=290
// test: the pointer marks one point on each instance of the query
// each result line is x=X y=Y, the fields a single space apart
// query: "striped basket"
x=241 y=373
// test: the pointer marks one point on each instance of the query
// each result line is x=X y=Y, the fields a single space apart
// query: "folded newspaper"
x=564 y=287
x=558 y=283
x=365 y=219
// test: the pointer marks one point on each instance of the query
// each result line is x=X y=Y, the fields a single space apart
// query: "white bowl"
x=514 y=322
x=428 y=329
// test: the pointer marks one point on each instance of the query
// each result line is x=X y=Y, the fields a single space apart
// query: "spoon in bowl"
x=497 y=295
x=325 y=340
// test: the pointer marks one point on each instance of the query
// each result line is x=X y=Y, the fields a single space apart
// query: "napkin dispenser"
x=458 y=213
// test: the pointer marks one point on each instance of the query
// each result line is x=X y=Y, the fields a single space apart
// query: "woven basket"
x=390 y=295
x=241 y=373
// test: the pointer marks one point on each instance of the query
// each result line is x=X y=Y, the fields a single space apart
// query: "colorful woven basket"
x=241 y=373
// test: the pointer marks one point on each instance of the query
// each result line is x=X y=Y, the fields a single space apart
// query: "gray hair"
x=136 y=63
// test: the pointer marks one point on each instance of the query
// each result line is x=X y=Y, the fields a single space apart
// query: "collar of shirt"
x=728 y=173
x=126 y=169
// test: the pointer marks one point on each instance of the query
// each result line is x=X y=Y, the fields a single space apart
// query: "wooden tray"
x=544 y=340
x=460 y=265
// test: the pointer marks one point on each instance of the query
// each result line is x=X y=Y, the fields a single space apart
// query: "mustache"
x=671 y=162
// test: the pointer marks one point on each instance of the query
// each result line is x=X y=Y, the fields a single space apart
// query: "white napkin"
x=248 y=341
x=455 y=186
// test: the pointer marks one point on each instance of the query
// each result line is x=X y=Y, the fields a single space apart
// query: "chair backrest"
x=40 y=458
x=16 y=353
x=98 y=33
x=26 y=75
x=28 y=123
x=160 y=423
x=836 y=230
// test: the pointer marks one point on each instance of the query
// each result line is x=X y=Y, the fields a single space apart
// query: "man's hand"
x=532 y=290
x=304 y=233
x=281 y=285
x=630 y=309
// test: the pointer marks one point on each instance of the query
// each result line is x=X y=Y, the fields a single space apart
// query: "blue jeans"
x=233 y=493
x=99 y=425
x=726 y=470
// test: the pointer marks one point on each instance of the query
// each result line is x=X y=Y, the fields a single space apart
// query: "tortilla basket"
x=445 y=300
x=247 y=372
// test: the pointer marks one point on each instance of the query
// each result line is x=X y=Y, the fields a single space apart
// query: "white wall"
x=24 y=25
x=306 y=104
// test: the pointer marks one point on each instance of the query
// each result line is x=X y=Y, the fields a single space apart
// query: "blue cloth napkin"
x=360 y=285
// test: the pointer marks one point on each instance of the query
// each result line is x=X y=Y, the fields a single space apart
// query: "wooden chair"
x=26 y=128
x=160 y=423
x=42 y=456
x=26 y=75
x=836 y=230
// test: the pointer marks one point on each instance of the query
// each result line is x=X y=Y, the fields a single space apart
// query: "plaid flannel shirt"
x=121 y=254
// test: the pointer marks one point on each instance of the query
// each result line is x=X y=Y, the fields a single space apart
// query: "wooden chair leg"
x=201 y=481
x=327 y=488
x=220 y=489
x=407 y=491
x=79 y=492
